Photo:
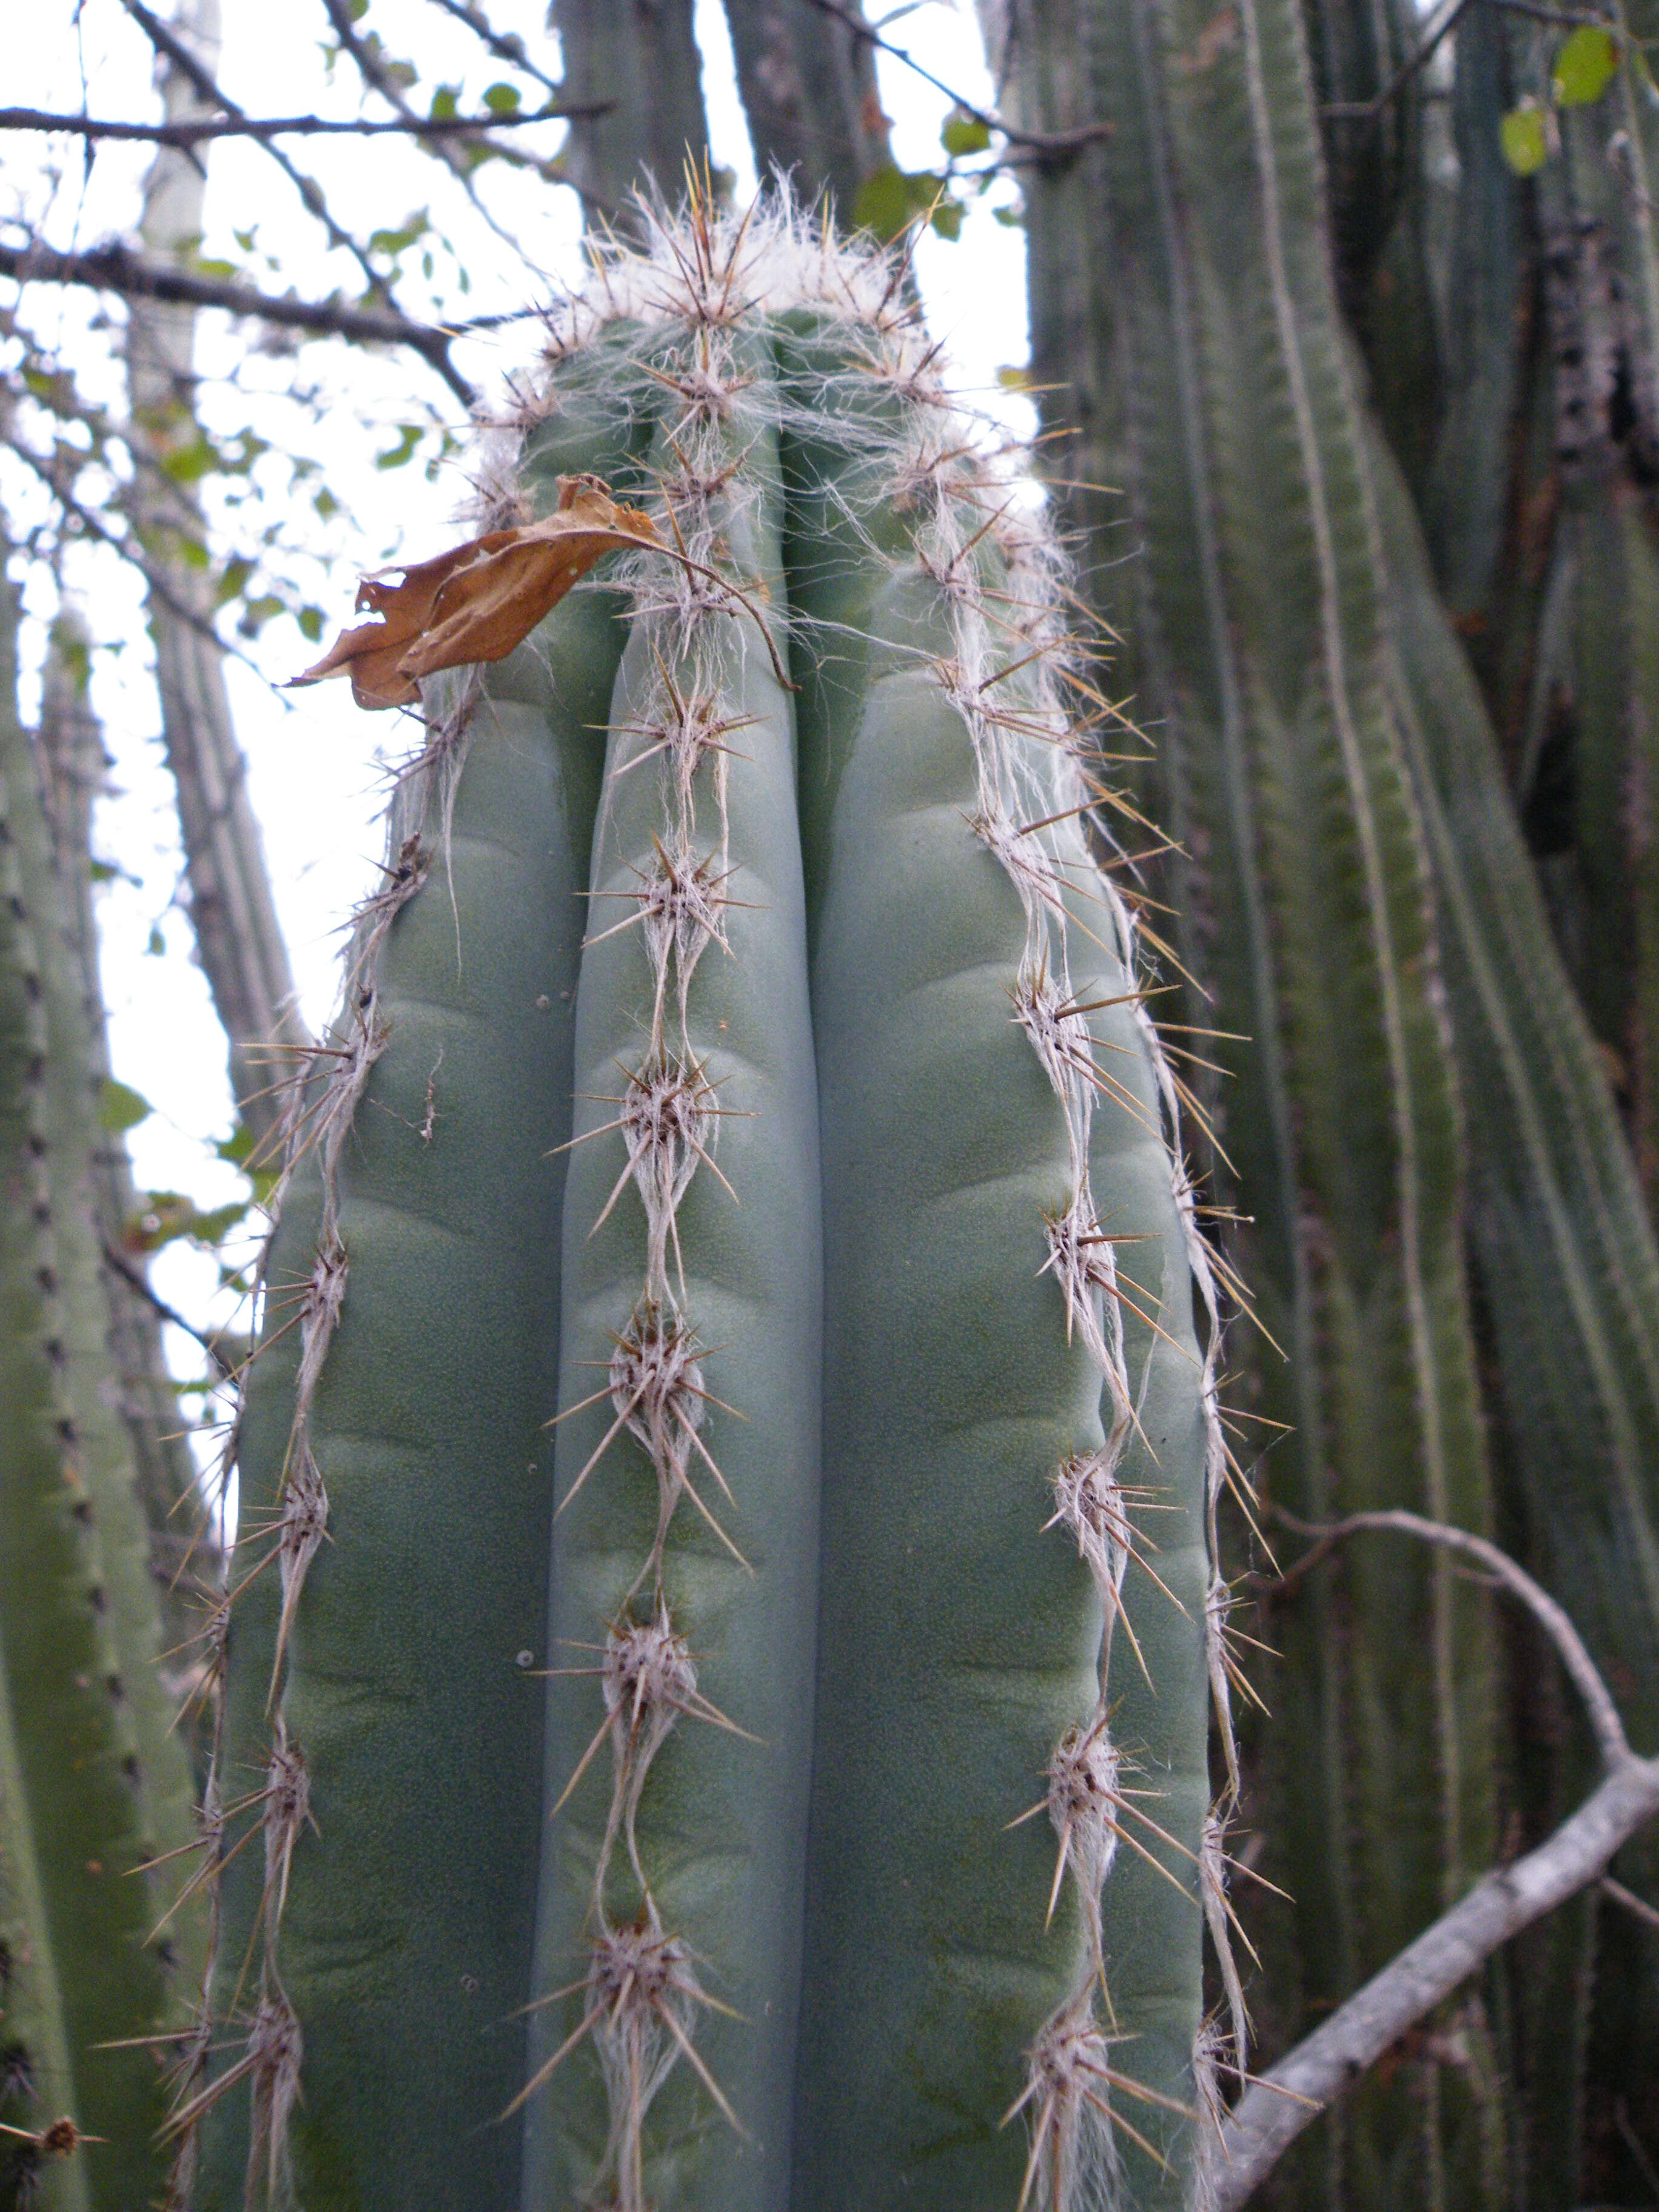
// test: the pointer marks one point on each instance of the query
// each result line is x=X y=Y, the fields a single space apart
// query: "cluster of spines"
x=322 y=1096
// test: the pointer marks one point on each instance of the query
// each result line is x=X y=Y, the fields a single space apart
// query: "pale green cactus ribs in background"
x=735 y=1260
x=92 y=1783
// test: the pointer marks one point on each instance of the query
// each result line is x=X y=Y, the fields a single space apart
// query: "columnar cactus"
x=93 y=1785
x=744 y=1172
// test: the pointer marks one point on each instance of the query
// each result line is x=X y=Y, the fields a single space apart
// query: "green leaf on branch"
x=169 y=1215
x=446 y=103
x=241 y=1150
x=1585 y=66
x=120 y=1108
x=502 y=99
x=257 y=613
x=1524 y=132
x=961 y=133
x=893 y=199
x=395 y=241
x=408 y=436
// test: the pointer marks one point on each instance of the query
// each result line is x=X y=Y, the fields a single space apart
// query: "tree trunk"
x=232 y=909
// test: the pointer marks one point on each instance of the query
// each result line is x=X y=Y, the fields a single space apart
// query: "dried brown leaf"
x=478 y=600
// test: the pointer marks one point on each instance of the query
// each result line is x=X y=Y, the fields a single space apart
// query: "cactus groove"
x=758 y=1297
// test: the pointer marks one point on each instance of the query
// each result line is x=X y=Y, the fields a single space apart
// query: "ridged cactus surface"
x=1185 y=313
x=1285 y=631
x=737 y=1262
x=92 y=1784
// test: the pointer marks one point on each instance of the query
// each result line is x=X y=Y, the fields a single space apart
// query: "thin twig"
x=115 y=269
x=1575 y=1657
x=128 y=550
x=277 y=126
x=507 y=47
x=136 y=1278
x=380 y=79
x=1630 y=1900
x=167 y=42
x=1368 y=110
x=1276 y=2108
x=1052 y=144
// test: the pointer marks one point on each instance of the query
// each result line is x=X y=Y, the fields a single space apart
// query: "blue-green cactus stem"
x=965 y=1185
x=397 y=1473
x=686 y=1554
x=860 y=1534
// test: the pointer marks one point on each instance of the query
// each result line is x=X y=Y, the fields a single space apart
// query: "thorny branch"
x=1278 y=2106
x=277 y=126
x=1048 y=145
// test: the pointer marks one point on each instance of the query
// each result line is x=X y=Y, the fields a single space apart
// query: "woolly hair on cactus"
x=735 y=1262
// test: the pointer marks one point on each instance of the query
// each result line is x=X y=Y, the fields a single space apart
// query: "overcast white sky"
x=315 y=763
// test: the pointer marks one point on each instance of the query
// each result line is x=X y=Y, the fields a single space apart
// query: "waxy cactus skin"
x=736 y=1262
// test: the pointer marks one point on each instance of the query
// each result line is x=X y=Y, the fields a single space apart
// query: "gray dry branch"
x=1278 y=2104
x=206 y=128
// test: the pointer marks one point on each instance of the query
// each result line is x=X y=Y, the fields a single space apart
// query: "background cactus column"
x=93 y=1785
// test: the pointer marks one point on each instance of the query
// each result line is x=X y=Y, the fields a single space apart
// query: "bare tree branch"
x=505 y=45
x=1598 y=1702
x=1051 y=145
x=380 y=79
x=167 y=42
x=114 y=269
x=275 y=126
x=1270 y=2115
x=1368 y=110
x=89 y=523
x=1279 y=2104
x=137 y=1280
